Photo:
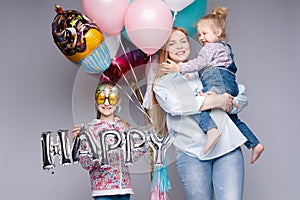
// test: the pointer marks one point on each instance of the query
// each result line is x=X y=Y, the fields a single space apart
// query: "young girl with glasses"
x=107 y=182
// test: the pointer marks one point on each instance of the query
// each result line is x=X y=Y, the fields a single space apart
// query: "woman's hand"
x=225 y=104
x=75 y=131
x=206 y=93
x=235 y=104
x=170 y=66
x=223 y=101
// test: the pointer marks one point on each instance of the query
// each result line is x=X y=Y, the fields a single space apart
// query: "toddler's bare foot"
x=256 y=152
x=212 y=136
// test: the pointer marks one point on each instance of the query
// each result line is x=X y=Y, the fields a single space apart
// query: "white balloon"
x=178 y=5
x=113 y=44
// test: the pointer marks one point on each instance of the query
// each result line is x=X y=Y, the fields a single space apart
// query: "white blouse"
x=176 y=95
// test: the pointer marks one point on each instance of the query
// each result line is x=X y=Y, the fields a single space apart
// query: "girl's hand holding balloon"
x=75 y=131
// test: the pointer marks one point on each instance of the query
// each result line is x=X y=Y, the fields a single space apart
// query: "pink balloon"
x=148 y=24
x=107 y=14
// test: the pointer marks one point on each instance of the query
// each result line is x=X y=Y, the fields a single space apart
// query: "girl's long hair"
x=158 y=114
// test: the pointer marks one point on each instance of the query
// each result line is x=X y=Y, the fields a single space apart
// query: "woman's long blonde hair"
x=158 y=114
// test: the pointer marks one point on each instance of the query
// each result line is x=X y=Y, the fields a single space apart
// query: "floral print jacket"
x=113 y=179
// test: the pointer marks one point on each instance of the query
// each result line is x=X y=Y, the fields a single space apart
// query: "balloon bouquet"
x=148 y=24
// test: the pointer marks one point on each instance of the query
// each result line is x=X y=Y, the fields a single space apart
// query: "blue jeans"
x=221 y=177
x=251 y=138
x=113 y=197
x=206 y=122
x=219 y=80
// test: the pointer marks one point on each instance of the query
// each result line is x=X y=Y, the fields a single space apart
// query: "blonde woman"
x=220 y=172
x=215 y=63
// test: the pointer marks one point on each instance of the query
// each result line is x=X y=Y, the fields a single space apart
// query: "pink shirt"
x=113 y=179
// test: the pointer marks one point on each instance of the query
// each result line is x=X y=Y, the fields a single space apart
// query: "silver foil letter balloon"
x=109 y=140
x=134 y=139
x=159 y=146
x=50 y=150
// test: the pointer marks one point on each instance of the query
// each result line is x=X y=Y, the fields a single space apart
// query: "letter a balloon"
x=80 y=40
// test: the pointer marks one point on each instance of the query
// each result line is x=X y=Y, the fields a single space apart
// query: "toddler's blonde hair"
x=218 y=19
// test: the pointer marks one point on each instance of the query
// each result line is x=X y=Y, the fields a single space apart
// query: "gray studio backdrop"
x=40 y=90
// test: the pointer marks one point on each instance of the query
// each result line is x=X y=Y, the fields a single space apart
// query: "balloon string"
x=119 y=37
x=141 y=108
x=174 y=17
x=139 y=97
x=129 y=97
x=131 y=68
x=126 y=80
x=136 y=89
x=146 y=110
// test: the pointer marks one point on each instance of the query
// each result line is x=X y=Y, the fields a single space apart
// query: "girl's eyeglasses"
x=112 y=98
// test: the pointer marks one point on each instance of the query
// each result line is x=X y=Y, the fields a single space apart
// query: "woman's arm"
x=176 y=97
x=223 y=101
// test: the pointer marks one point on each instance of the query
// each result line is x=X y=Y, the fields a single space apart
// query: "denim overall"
x=221 y=79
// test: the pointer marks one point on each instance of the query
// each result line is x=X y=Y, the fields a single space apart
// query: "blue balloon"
x=189 y=16
x=124 y=33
